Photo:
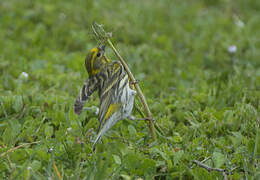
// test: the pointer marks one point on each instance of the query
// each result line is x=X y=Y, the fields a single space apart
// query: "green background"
x=204 y=98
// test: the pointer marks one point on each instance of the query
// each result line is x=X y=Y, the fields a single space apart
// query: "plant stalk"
x=138 y=89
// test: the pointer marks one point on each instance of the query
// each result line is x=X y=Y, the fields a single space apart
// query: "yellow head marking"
x=94 y=51
x=95 y=60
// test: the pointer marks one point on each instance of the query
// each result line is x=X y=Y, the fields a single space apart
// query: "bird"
x=111 y=81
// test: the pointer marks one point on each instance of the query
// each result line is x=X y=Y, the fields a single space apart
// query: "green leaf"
x=148 y=165
x=36 y=165
x=125 y=177
x=123 y=148
x=218 y=159
x=236 y=138
x=132 y=160
x=177 y=156
x=131 y=130
x=18 y=103
x=48 y=131
x=157 y=151
x=117 y=159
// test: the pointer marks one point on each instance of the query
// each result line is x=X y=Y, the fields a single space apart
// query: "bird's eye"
x=98 y=54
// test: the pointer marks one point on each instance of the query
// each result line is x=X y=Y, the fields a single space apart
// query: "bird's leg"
x=135 y=82
x=139 y=119
x=87 y=108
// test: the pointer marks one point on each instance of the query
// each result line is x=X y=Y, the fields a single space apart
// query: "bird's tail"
x=107 y=125
x=96 y=141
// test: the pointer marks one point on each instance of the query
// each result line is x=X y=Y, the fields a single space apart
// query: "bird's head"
x=96 y=60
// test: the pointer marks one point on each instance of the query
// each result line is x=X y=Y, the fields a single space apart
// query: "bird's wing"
x=87 y=89
x=108 y=106
x=109 y=100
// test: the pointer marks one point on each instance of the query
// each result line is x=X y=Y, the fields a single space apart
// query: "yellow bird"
x=112 y=83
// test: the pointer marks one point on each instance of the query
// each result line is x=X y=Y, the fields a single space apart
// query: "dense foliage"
x=198 y=63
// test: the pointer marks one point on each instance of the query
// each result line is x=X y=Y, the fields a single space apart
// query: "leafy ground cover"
x=197 y=63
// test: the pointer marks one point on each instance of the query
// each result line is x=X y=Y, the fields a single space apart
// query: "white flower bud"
x=232 y=49
x=24 y=75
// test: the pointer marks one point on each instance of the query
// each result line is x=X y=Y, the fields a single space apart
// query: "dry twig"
x=56 y=170
x=224 y=172
x=17 y=147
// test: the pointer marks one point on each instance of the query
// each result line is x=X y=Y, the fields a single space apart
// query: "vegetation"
x=197 y=63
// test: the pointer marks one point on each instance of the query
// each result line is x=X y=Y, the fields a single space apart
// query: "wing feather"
x=87 y=89
x=109 y=101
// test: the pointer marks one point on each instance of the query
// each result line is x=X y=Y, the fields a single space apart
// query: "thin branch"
x=233 y=169
x=11 y=166
x=205 y=159
x=17 y=147
x=209 y=169
x=56 y=170
x=104 y=37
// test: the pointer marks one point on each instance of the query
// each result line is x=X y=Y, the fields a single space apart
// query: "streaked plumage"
x=112 y=83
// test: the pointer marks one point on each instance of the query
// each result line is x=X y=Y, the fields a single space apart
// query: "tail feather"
x=96 y=141
x=107 y=125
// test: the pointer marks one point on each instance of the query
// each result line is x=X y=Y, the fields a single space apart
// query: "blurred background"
x=177 y=39
x=197 y=63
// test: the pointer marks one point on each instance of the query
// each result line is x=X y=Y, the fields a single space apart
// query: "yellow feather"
x=94 y=51
x=111 y=109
